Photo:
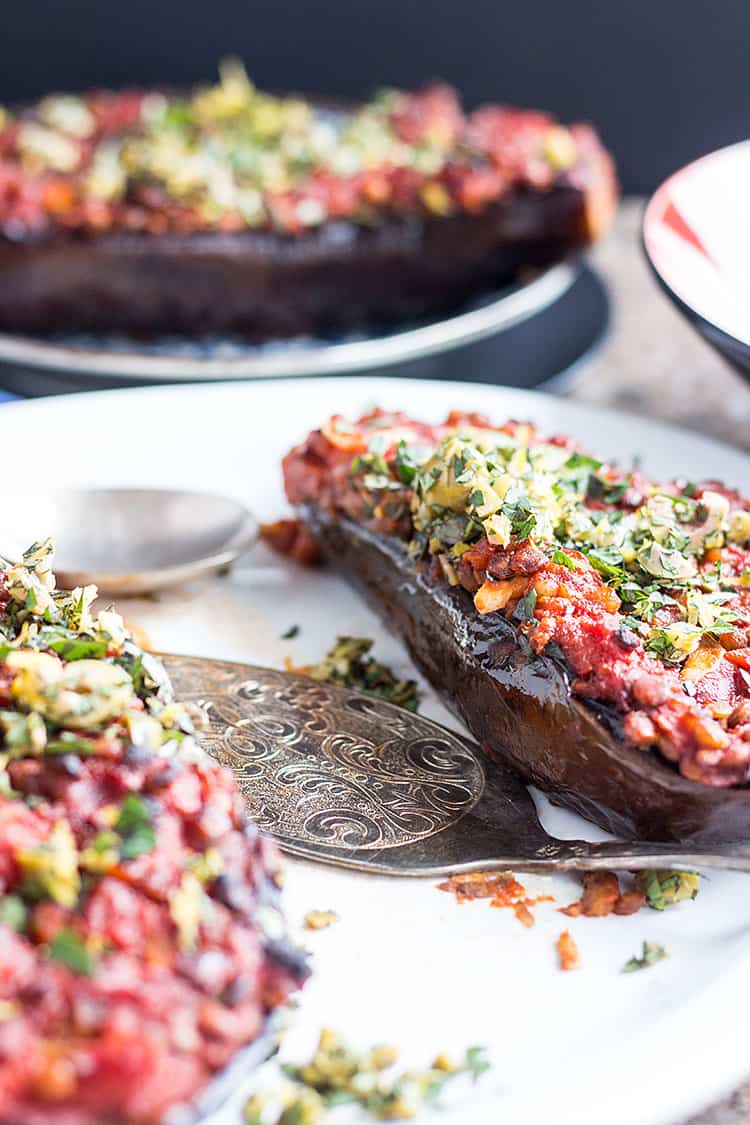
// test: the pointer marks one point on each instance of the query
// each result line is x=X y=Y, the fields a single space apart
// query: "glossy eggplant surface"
x=519 y=705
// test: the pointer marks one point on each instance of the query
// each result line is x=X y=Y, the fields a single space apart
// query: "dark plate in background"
x=521 y=338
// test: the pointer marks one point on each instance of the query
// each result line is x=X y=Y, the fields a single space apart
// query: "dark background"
x=665 y=80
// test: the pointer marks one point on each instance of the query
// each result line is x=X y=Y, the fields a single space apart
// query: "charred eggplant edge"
x=519 y=705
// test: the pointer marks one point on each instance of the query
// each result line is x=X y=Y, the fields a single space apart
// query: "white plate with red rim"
x=696 y=234
x=405 y=963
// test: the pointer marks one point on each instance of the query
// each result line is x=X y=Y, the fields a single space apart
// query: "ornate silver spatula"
x=341 y=778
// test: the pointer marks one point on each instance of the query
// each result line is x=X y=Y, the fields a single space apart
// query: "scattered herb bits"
x=13 y=912
x=665 y=888
x=349 y=665
x=68 y=948
x=134 y=827
x=561 y=559
x=320 y=919
x=336 y=1075
x=291 y=633
x=290 y=1105
x=651 y=953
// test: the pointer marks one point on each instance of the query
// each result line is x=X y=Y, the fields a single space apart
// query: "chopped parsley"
x=406 y=467
x=607 y=491
x=291 y=633
x=336 y=1075
x=134 y=827
x=524 y=610
x=650 y=547
x=462 y=468
x=373 y=470
x=561 y=559
x=13 y=912
x=133 y=663
x=476 y=1062
x=659 y=643
x=70 y=645
x=522 y=518
x=68 y=743
x=651 y=953
x=609 y=563
x=665 y=888
x=349 y=665
x=68 y=948
x=583 y=461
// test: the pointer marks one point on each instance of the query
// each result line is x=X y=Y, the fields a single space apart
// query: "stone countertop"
x=653 y=363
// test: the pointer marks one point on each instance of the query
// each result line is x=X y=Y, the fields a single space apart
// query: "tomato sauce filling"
x=661 y=634
x=115 y=1007
x=141 y=939
x=232 y=158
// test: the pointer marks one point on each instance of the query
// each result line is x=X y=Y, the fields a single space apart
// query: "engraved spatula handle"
x=338 y=777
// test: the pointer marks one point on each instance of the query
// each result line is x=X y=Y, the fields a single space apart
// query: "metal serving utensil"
x=129 y=540
x=338 y=777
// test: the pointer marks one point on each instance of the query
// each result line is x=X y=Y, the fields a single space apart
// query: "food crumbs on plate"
x=501 y=887
x=651 y=953
x=665 y=888
x=291 y=538
x=320 y=919
x=289 y=1105
x=337 y=1075
x=602 y=896
x=348 y=665
x=291 y=633
x=568 y=952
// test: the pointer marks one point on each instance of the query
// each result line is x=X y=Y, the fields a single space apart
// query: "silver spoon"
x=341 y=778
x=129 y=540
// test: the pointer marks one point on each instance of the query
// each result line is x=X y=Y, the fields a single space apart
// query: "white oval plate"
x=405 y=963
x=180 y=359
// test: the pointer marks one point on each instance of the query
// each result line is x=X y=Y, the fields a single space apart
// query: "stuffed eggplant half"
x=142 y=948
x=233 y=210
x=591 y=626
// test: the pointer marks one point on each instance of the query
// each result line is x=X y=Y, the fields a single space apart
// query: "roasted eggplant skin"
x=266 y=284
x=519 y=705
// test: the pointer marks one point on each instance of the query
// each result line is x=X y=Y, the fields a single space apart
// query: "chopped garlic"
x=498 y=530
x=739 y=526
x=110 y=622
x=683 y=637
x=185 y=907
x=83 y=694
x=44 y=149
x=68 y=114
x=52 y=866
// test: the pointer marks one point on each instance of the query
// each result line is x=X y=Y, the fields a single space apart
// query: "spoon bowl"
x=129 y=540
